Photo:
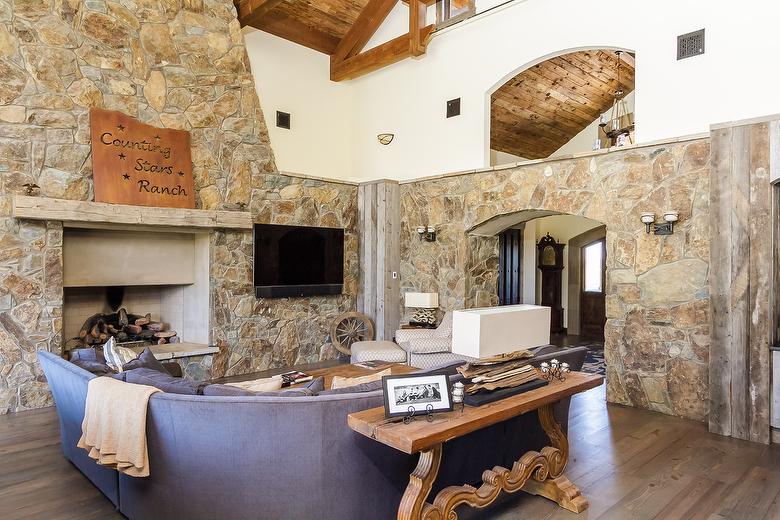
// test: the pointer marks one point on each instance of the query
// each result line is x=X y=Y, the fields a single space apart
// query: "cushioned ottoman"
x=377 y=351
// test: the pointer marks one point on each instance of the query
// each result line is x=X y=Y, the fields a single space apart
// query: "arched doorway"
x=567 y=287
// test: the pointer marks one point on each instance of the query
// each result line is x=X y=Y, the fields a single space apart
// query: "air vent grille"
x=691 y=44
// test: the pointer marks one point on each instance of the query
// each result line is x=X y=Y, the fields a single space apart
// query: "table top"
x=421 y=435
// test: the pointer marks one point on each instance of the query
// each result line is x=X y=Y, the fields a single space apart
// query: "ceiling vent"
x=691 y=44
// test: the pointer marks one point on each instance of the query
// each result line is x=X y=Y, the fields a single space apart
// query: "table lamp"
x=426 y=305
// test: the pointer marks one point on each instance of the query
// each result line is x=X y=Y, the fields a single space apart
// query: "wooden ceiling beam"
x=369 y=20
x=349 y=63
x=291 y=29
x=251 y=12
x=383 y=55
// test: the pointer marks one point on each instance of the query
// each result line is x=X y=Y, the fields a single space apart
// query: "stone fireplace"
x=156 y=277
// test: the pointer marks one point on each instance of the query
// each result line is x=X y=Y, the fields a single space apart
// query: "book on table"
x=371 y=364
x=294 y=377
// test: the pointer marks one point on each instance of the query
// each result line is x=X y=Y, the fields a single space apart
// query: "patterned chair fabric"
x=377 y=351
x=427 y=348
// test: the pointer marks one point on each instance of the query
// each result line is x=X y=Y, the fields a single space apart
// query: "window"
x=593 y=268
x=449 y=12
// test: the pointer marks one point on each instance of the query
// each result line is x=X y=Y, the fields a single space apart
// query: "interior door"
x=510 y=257
x=593 y=315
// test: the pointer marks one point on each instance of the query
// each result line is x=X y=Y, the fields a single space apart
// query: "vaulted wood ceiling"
x=543 y=107
x=340 y=28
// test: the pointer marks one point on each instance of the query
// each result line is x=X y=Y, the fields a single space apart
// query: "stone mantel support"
x=101 y=214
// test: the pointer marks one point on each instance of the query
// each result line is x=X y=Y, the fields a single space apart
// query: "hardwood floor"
x=630 y=464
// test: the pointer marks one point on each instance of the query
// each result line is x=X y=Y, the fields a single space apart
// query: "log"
x=165 y=334
x=146 y=334
x=162 y=341
x=89 y=323
x=156 y=326
x=133 y=329
x=124 y=320
x=141 y=322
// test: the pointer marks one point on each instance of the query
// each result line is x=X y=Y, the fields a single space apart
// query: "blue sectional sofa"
x=275 y=457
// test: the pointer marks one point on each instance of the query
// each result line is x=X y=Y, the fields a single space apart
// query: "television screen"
x=298 y=261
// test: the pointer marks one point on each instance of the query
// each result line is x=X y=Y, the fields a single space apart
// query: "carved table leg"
x=420 y=483
x=555 y=485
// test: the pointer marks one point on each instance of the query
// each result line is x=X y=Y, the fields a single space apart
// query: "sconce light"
x=667 y=228
x=385 y=139
x=427 y=233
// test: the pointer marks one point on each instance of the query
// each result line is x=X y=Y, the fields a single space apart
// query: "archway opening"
x=573 y=102
x=559 y=261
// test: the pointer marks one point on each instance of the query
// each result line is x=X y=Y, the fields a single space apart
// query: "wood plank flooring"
x=630 y=464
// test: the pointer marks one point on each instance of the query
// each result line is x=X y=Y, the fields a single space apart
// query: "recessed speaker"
x=453 y=107
x=282 y=119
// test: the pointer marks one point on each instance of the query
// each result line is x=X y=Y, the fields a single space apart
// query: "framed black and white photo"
x=416 y=393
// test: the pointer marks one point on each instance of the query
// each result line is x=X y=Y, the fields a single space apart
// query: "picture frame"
x=421 y=394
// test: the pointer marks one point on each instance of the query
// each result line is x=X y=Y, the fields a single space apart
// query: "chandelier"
x=620 y=125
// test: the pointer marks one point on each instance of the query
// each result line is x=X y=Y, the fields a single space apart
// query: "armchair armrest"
x=427 y=345
x=404 y=335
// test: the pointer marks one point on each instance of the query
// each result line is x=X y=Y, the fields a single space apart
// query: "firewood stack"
x=124 y=327
x=505 y=371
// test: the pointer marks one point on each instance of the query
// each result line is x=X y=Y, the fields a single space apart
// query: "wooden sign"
x=139 y=164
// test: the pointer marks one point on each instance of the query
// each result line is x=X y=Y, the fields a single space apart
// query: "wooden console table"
x=538 y=473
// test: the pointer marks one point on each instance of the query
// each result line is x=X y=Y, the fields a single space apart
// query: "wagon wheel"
x=349 y=328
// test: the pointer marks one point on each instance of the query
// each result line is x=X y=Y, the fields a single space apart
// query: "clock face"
x=548 y=256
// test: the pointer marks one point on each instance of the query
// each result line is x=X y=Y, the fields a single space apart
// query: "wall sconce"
x=667 y=228
x=427 y=233
x=385 y=139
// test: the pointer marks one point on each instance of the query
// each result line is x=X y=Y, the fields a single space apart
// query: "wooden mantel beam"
x=383 y=55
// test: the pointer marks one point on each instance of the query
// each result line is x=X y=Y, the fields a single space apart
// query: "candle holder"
x=554 y=370
x=458 y=391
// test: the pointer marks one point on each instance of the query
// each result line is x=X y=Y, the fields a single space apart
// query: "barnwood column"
x=380 y=255
x=742 y=221
x=537 y=473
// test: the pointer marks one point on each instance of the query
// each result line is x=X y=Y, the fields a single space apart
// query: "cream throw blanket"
x=114 y=427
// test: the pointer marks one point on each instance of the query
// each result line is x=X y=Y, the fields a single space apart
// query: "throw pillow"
x=357 y=389
x=164 y=381
x=92 y=366
x=117 y=356
x=227 y=390
x=145 y=360
x=267 y=384
x=344 y=382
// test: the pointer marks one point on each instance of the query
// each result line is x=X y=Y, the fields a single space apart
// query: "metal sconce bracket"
x=427 y=233
x=665 y=228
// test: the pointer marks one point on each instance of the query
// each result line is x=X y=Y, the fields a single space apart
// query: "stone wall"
x=177 y=64
x=657 y=332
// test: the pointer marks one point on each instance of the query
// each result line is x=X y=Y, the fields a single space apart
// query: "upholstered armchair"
x=426 y=348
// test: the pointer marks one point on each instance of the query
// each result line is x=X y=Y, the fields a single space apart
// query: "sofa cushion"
x=316 y=385
x=356 y=389
x=164 y=381
x=145 y=360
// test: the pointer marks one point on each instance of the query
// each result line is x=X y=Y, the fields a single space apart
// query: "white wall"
x=497 y=158
x=295 y=79
x=469 y=59
x=562 y=228
x=339 y=122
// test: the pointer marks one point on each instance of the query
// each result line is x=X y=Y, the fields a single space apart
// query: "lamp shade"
x=421 y=300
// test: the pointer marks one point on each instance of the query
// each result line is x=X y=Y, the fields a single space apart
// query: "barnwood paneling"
x=379 y=218
x=741 y=281
x=543 y=107
x=42 y=208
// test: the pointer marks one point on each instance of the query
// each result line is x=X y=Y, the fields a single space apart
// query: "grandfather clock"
x=550 y=262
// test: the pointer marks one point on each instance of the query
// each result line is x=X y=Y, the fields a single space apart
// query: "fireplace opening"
x=134 y=316
x=141 y=287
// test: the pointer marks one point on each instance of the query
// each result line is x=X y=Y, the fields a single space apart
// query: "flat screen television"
x=298 y=261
